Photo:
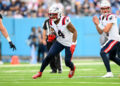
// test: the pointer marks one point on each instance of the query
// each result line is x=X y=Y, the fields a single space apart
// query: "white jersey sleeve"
x=103 y=38
x=112 y=19
x=67 y=21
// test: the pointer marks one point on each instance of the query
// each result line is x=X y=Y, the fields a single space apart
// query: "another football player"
x=49 y=38
x=5 y=34
x=109 y=30
x=66 y=39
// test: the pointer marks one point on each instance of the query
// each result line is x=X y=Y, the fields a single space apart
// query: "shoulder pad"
x=111 y=17
x=65 y=20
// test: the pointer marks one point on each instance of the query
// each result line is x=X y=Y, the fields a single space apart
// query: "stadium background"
x=19 y=16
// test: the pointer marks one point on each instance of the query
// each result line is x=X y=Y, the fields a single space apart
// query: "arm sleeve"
x=67 y=21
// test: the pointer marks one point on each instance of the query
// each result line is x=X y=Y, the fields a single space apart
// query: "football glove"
x=72 y=48
x=51 y=37
x=12 y=45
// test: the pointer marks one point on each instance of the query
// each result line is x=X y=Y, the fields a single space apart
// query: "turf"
x=88 y=73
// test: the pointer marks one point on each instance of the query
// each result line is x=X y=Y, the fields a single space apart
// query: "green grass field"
x=88 y=73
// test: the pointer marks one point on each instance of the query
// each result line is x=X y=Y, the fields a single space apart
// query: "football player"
x=108 y=26
x=5 y=34
x=49 y=38
x=66 y=39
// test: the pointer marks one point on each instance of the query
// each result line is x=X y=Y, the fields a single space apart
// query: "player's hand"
x=12 y=46
x=51 y=38
x=72 y=48
x=95 y=20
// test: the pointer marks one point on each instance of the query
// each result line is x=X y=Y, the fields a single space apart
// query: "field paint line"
x=9 y=75
x=36 y=65
x=48 y=71
x=61 y=82
x=59 y=77
x=13 y=71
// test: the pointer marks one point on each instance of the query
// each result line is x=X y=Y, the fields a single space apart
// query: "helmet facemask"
x=105 y=10
x=53 y=16
x=55 y=13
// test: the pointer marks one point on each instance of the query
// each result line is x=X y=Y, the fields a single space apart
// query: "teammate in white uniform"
x=66 y=39
x=109 y=30
x=64 y=35
x=103 y=39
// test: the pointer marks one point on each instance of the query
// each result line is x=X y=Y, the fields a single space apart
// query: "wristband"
x=8 y=38
x=101 y=26
x=74 y=43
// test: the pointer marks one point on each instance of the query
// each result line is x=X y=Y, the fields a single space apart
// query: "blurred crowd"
x=39 y=8
x=35 y=41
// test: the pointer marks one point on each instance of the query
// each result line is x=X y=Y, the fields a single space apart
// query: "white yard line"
x=12 y=71
x=35 y=65
x=61 y=82
x=56 y=77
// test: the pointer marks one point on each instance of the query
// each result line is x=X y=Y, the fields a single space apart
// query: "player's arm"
x=4 y=31
x=44 y=37
x=44 y=32
x=5 y=34
x=108 y=27
x=111 y=20
x=72 y=29
x=96 y=22
x=40 y=38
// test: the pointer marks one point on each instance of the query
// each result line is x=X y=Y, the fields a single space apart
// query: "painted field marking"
x=63 y=82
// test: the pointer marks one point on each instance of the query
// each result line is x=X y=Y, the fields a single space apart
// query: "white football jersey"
x=103 y=39
x=113 y=34
x=64 y=36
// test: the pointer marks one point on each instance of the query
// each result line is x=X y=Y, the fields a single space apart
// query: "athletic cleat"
x=108 y=75
x=39 y=74
x=71 y=73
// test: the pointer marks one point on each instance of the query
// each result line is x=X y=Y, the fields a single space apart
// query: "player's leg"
x=113 y=57
x=52 y=62
x=38 y=54
x=118 y=50
x=105 y=57
x=53 y=65
x=44 y=51
x=58 y=63
x=54 y=50
x=68 y=62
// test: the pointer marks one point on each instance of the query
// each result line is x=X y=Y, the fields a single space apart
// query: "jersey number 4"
x=61 y=34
